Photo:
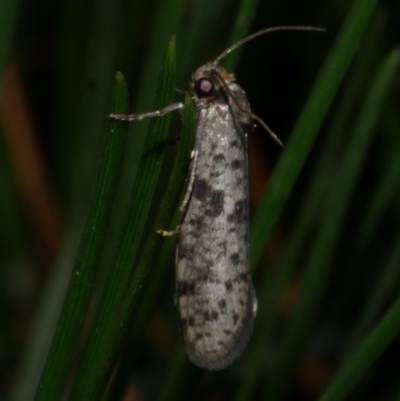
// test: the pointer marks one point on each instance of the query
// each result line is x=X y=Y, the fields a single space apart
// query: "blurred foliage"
x=87 y=287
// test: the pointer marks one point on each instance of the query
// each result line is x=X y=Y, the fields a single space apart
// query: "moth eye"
x=204 y=87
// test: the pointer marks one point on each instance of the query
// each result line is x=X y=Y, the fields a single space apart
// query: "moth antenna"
x=252 y=115
x=265 y=126
x=264 y=31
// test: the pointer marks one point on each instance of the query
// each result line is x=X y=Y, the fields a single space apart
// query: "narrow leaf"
x=84 y=272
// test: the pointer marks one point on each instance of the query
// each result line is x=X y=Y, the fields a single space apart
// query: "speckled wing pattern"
x=214 y=290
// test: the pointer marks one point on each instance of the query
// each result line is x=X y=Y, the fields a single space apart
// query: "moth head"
x=209 y=80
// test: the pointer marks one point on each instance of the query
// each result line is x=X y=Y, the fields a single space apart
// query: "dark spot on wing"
x=228 y=285
x=235 y=144
x=216 y=203
x=190 y=321
x=221 y=250
x=222 y=304
x=220 y=157
x=197 y=222
x=214 y=315
x=185 y=288
x=200 y=190
x=239 y=213
x=236 y=164
x=199 y=336
x=228 y=332
x=207 y=316
x=235 y=259
x=235 y=318
x=241 y=277
x=182 y=252
x=209 y=278
x=205 y=278
x=216 y=173
x=222 y=246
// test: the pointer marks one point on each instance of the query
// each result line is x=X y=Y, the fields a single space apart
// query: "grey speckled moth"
x=214 y=290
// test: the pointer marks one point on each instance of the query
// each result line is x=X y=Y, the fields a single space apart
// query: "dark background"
x=57 y=64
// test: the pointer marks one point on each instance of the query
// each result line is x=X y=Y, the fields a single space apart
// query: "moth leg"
x=189 y=189
x=255 y=305
x=176 y=283
x=156 y=113
x=169 y=233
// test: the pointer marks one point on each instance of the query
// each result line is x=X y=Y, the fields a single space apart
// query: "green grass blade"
x=168 y=15
x=377 y=299
x=8 y=24
x=68 y=329
x=192 y=41
x=376 y=343
x=178 y=378
x=306 y=130
x=166 y=210
x=10 y=209
x=276 y=282
x=245 y=16
x=195 y=38
x=11 y=236
x=361 y=73
x=46 y=321
x=99 y=68
x=153 y=287
x=138 y=285
x=89 y=381
x=166 y=21
x=147 y=304
x=164 y=262
x=267 y=317
x=73 y=42
x=319 y=264
x=378 y=203
x=134 y=21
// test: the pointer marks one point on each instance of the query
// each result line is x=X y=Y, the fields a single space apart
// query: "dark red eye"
x=204 y=87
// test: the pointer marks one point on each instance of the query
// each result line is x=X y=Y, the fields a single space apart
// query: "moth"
x=214 y=290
